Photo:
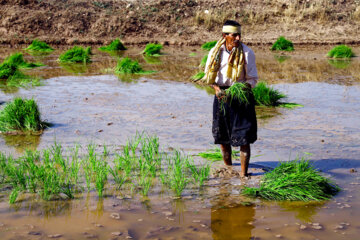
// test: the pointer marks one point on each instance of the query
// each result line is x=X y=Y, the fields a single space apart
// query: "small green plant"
x=215 y=154
x=282 y=44
x=198 y=76
x=294 y=180
x=128 y=66
x=115 y=45
x=152 y=49
x=21 y=115
x=40 y=46
x=76 y=54
x=341 y=51
x=208 y=45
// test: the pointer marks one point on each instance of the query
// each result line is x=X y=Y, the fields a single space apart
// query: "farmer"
x=234 y=123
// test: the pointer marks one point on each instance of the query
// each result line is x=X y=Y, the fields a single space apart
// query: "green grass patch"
x=341 y=51
x=208 y=45
x=198 y=76
x=76 y=55
x=215 y=154
x=21 y=115
x=282 y=44
x=39 y=46
x=115 y=45
x=128 y=66
x=152 y=49
x=295 y=181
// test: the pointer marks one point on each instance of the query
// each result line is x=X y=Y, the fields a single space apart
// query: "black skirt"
x=235 y=122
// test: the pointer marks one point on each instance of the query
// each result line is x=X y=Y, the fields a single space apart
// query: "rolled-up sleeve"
x=251 y=76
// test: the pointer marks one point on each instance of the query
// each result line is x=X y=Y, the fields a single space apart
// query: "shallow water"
x=93 y=105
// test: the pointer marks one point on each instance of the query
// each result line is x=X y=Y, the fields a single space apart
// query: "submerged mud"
x=88 y=104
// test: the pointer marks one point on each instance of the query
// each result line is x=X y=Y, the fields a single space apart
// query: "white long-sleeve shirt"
x=250 y=76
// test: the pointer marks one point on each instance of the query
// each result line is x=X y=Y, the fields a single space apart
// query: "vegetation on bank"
x=10 y=70
x=295 y=181
x=115 y=45
x=341 y=51
x=137 y=168
x=21 y=115
x=152 y=49
x=39 y=46
x=76 y=55
x=282 y=44
x=128 y=66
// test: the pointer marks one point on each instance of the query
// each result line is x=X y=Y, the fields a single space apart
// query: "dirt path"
x=185 y=22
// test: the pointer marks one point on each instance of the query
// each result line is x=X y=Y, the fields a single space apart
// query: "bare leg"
x=244 y=159
x=226 y=151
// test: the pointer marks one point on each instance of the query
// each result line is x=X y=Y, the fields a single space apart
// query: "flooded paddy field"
x=88 y=104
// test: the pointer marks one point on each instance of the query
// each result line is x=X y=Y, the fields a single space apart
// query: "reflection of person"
x=234 y=124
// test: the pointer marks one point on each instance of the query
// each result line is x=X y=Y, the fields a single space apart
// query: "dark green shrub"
x=152 y=49
x=20 y=115
x=40 y=46
x=115 y=45
x=283 y=44
x=341 y=51
x=295 y=181
x=76 y=54
x=208 y=45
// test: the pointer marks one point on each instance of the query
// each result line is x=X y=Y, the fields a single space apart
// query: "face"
x=232 y=40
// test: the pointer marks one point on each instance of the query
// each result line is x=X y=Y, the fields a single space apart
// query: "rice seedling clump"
x=208 y=45
x=128 y=66
x=295 y=181
x=152 y=49
x=203 y=61
x=267 y=96
x=20 y=115
x=341 y=51
x=283 y=44
x=40 y=46
x=76 y=54
x=239 y=91
x=115 y=45
x=198 y=76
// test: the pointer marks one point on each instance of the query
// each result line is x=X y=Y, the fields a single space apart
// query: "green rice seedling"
x=267 y=96
x=177 y=178
x=198 y=76
x=203 y=61
x=282 y=44
x=144 y=182
x=294 y=180
x=215 y=154
x=21 y=115
x=14 y=194
x=128 y=66
x=101 y=174
x=40 y=46
x=118 y=176
x=76 y=55
x=208 y=45
x=17 y=60
x=341 y=51
x=238 y=91
x=115 y=45
x=152 y=49
x=88 y=173
x=199 y=173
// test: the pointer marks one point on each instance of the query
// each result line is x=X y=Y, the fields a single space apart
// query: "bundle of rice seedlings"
x=198 y=76
x=115 y=45
x=341 y=51
x=203 y=61
x=208 y=45
x=283 y=44
x=267 y=96
x=295 y=181
x=40 y=46
x=76 y=54
x=152 y=49
x=128 y=66
x=20 y=115
x=215 y=154
x=239 y=91
x=17 y=61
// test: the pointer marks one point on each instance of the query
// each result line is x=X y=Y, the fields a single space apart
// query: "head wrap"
x=231 y=29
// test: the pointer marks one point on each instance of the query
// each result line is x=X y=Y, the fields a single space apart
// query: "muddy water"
x=88 y=104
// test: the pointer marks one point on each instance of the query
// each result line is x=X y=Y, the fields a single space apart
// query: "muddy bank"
x=190 y=22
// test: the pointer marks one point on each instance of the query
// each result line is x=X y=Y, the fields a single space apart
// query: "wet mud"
x=88 y=104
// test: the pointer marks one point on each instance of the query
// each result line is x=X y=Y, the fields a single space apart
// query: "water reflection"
x=22 y=142
x=281 y=58
x=339 y=64
x=152 y=60
x=232 y=222
x=77 y=68
x=304 y=211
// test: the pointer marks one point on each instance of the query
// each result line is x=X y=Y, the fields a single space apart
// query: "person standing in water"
x=234 y=123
